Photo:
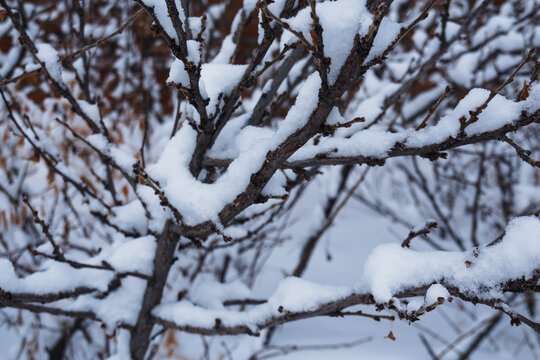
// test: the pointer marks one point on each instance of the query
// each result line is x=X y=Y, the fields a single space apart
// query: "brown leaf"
x=6 y=42
x=4 y=219
x=35 y=156
x=37 y=96
x=89 y=183
x=390 y=336
x=3 y=15
x=125 y=191
x=67 y=226
x=50 y=177
x=314 y=36
x=170 y=342
x=15 y=219
x=524 y=92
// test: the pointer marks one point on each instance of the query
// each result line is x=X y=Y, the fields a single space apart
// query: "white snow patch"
x=341 y=21
x=178 y=74
x=50 y=58
x=391 y=269
x=197 y=201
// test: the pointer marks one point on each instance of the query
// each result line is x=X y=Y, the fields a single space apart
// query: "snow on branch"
x=391 y=273
x=158 y=158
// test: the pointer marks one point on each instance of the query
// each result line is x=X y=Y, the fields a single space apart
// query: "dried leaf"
x=50 y=177
x=390 y=336
x=170 y=342
x=35 y=156
x=6 y=43
x=314 y=36
x=125 y=191
x=15 y=219
x=4 y=219
x=37 y=96
x=141 y=180
x=524 y=92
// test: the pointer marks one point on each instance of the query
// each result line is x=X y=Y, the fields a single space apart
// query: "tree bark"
x=163 y=260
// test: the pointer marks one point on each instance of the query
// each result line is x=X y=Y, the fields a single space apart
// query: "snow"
x=91 y=110
x=228 y=45
x=98 y=141
x=55 y=277
x=194 y=52
x=293 y=295
x=219 y=79
x=158 y=213
x=371 y=107
x=499 y=112
x=391 y=269
x=276 y=185
x=448 y=125
x=226 y=146
x=370 y=142
x=244 y=147
x=197 y=201
x=505 y=61
x=120 y=156
x=135 y=255
x=434 y=293
x=31 y=67
x=334 y=118
x=509 y=42
x=195 y=25
x=249 y=5
x=162 y=15
x=211 y=294
x=452 y=29
x=178 y=74
x=276 y=7
x=387 y=33
x=235 y=231
x=121 y=306
x=124 y=256
x=341 y=21
x=377 y=143
x=298 y=295
x=249 y=137
x=422 y=101
x=462 y=71
x=388 y=270
x=532 y=103
x=419 y=39
x=130 y=217
x=50 y=58
x=226 y=52
x=398 y=68
x=494 y=25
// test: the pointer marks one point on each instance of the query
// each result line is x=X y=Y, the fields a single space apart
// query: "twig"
x=423 y=231
x=432 y=110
